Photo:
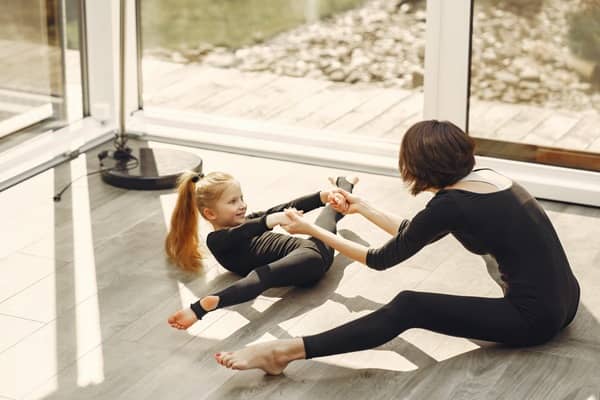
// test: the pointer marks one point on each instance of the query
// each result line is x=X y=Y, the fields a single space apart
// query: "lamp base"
x=157 y=169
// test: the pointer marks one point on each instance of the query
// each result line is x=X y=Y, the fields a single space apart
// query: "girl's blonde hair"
x=194 y=193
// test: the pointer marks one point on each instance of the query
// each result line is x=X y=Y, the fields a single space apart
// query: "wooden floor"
x=85 y=292
x=367 y=110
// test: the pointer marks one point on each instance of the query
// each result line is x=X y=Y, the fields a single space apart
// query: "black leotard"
x=541 y=292
x=268 y=259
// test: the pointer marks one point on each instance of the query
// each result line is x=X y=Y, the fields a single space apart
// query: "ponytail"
x=181 y=243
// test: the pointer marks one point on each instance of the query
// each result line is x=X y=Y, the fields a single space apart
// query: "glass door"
x=535 y=81
x=351 y=67
x=39 y=68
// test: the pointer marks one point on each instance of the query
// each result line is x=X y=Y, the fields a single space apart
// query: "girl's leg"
x=488 y=319
x=328 y=219
x=299 y=267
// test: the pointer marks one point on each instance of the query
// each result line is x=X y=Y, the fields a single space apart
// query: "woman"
x=489 y=215
x=244 y=244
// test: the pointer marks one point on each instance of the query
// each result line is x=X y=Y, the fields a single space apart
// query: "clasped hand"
x=295 y=223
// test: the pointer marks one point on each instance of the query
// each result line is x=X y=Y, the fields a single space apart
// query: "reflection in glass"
x=349 y=66
x=33 y=81
x=535 y=75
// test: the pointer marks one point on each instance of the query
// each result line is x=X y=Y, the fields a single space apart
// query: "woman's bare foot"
x=272 y=357
x=185 y=318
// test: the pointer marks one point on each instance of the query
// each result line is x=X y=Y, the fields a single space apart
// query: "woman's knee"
x=405 y=303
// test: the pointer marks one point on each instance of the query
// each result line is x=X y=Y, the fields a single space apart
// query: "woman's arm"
x=347 y=247
x=438 y=219
x=354 y=204
x=385 y=220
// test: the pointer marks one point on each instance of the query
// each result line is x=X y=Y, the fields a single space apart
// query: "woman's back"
x=511 y=226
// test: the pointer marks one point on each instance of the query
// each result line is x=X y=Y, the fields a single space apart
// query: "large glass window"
x=535 y=79
x=346 y=66
x=39 y=68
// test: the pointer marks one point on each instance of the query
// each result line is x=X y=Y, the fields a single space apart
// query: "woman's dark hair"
x=435 y=154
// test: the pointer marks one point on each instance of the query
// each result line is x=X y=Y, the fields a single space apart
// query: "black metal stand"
x=156 y=169
x=143 y=168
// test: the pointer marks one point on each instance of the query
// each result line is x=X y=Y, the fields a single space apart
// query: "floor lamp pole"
x=143 y=168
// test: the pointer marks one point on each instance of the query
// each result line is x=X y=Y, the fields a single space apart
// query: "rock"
x=417 y=78
x=179 y=58
x=356 y=76
x=530 y=74
x=337 y=75
x=255 y=66
x=489 y=55
x=507 y=77
x=221 y=59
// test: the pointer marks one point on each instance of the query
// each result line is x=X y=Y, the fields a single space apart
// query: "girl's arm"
x=305 y=203
x=223 y=239
x=259 y=222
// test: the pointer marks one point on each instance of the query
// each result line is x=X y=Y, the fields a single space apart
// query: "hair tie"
x=197 y=177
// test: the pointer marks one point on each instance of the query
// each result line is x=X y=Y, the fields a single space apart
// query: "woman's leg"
x=488 y=319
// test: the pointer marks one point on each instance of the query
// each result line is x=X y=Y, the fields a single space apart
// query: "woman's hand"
x=297 y=224
x=343 y=201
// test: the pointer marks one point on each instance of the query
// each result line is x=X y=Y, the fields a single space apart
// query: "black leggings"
x=490 y=319
x=302 y=267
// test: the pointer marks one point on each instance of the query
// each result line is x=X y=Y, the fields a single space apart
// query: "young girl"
x=244 y=244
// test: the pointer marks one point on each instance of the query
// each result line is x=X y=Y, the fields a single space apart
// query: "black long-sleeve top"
x=244 y=247
x=508 y=224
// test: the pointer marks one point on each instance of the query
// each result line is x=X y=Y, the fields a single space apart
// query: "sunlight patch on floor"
x=90 y=370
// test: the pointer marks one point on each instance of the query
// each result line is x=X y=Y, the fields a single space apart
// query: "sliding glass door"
x=350 y=67
x=535 y=81
x=39 y=67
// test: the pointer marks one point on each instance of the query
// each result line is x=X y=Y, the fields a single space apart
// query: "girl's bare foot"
x=272 y=357
x=353 y=179
x=185 y=318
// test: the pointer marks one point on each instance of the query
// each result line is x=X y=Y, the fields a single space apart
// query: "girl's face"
x=230 y=209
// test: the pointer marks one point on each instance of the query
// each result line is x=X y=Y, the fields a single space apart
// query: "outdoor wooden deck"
x=363 y=110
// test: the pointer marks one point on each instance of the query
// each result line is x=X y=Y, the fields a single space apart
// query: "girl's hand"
x=297 y=224
x=285 y=220
x=343 y=201
x=279 y=218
